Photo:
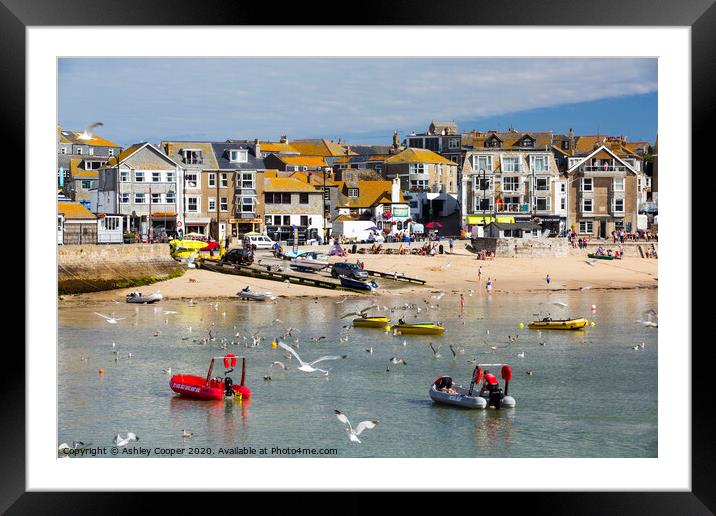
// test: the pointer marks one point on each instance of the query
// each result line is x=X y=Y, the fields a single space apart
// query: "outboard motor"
x=228 y=387
x=495 y=399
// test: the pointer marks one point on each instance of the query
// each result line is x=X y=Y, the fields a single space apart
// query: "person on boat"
x=547 y=319
x=401 y=321
x=444 y=384
x=247 y=289
x=489 y=383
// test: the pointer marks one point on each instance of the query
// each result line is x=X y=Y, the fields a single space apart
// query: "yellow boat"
x=188 y=247
x=422 y=328
x=559 y=324
x=372 y=322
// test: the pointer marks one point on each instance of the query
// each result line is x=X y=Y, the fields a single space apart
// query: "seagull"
x=111 y=320
x=308 y=367
x=76 y=445
x=370 y=350
x=353 y=434
x=167 y=371
x=279 y=364
x=344 y=339
x=361 y=313
x=267 y=377
x=186 y=435
x=435 y=351
x=396 y=360
x=636 y=348
x=521 y=355
x=586 y=288
x=455 y=352
x=559 y=303
x=530 y=373
x=316 y=339
x=120 y=441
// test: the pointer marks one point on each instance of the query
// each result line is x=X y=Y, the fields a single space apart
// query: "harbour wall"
x=512 y=247
x=94 y=267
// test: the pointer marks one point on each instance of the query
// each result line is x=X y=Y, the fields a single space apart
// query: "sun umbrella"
x=433 y=225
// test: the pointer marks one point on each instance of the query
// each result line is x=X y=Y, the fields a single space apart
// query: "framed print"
x=320 y=257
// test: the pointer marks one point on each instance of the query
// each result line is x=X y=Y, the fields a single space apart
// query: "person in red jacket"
x=489 y=383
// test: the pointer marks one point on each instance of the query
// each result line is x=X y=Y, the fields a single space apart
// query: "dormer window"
x=192 y=156
x=527 y=142
x=353 y=192
x=493 y=141
x=238 y=155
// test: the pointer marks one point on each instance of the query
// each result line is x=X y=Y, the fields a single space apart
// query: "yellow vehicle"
x=421 y=328
x=558 y=324
x=371 y=322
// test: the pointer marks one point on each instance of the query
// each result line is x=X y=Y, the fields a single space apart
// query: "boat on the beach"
x=310 y=261
x=194 y=245
x=366 y=286
x=291 y=254
x=443 y=391
x=558 y=324
x=371 y=322
x=419 y=328
x=207 y=388
x=137 y=297
x=600 y=256
x=247 y=293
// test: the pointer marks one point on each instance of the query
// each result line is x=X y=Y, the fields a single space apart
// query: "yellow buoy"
x=593 y=324
x=274 y=343
x=522 y=325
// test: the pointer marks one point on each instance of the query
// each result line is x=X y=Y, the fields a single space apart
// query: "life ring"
x=506 y=373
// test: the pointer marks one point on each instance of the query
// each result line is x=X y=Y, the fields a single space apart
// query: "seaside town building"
x=145 y=187
x=292 y=202
x=512 y=177
x=75 y=223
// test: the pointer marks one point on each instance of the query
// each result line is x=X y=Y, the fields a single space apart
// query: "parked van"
x=259 y=241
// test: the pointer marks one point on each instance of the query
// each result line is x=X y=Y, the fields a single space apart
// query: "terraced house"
x=292 y=201
x=145 y=187
x=512 y=177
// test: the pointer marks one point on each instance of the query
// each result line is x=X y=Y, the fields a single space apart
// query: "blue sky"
x=360 y=100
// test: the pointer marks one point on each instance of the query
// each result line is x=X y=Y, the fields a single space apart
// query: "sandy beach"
x=450 y=273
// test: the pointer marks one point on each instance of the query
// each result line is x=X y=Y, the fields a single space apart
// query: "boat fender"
x=228 y=387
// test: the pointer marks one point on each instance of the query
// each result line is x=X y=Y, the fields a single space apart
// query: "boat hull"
x=600 y=257
x=256 y=296
x=195 y=387
x=366 y=286
x=419 y=329
x=461 y=399
x=567 y=324
x=145 y=299
x=371 y=322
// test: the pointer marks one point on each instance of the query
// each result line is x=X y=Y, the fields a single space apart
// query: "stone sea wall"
x=94 y=267
x=512 y=247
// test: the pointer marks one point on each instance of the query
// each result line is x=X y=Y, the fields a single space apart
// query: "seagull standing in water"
x=353 y=434
x=308 y=367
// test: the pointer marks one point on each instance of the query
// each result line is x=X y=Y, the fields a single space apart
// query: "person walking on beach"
x=452 y=244
x=548 y=279
x=479 y=274
x=488 y=286
x=462 y=302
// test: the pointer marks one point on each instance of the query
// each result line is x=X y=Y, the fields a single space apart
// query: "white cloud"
x=268 y=97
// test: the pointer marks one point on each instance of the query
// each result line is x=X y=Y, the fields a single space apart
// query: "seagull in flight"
x=353 y=434
x=397 y=360
x=279 y=364
x=361 y=313
x=121 y=441
x=110 y=320
x=306 y=366
x=435 y=351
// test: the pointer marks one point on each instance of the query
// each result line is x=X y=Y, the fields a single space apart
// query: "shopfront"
x=239 y=227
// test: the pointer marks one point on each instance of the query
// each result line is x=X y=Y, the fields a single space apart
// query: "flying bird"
x=360 y=313
x=279 y=364
x=435 y=351
x=397 y=360
x=353 y=434
x=121 y=441
x=111 y=320
x=307 y=367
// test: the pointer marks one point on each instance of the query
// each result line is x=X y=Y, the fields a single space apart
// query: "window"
x=90 y=151
x=527 y=142
x=224 y=204
x=63 y=150
x=170 y=198
x=303 y=198
x=304 y=220
x=170 y=177
x=563 y=204
x=353 y=192
x=287 y=220
x=542 y=184
x=539 y=163
x=239 y=155
x=123 y=176
x=326 y=194
x=542 y=203
x=418 y=183
x=138 y=198
x=212 y=204
x=192 y=204
x=79 y=150
x=483 y=184
x=586 y=184
x=156 y=198
x=277 y=220
x=86 y=184
x=618 y=205
x=511 y=164
x=511 y=184
x=618 y=184
x=138 y=176
x=482 y=163
x=109 y=223
x=563 y=187
x=224 y=180
x=454 y=143
x=587 y=206
x=417 y=168
x=285 y=198
x=156 y=177
x=110 y=152
x=586 y=226
x=124 y=198
x=246 y=205
x=247 y=180
x=192 y=156
x=190 y=180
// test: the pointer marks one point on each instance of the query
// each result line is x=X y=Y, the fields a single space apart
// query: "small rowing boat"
x=600 y=256
x=136 y=297
x=371 y=322
x=366 y=286
x=421 y=328
x=558 y=324
x=256 y=296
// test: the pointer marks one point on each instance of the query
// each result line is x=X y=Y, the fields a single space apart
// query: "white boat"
x=257 y=296
x=136 y=297
x=444 y=391
x=310 y=261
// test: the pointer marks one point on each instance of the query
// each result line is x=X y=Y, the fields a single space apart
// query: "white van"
x=260 y=241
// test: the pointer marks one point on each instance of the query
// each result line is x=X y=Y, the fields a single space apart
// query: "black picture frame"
x=17 y=15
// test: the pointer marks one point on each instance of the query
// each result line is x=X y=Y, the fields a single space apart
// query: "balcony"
x=513 y=207
x=603 y=168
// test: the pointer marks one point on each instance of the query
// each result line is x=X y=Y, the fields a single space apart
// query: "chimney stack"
x=284 y=139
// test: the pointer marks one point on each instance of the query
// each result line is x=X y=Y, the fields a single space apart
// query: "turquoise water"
x=590 y=394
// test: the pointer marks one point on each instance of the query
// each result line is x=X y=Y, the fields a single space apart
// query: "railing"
x=603 y=168
x=513 y=208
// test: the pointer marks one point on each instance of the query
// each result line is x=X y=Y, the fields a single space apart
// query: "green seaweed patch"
x=84 y=286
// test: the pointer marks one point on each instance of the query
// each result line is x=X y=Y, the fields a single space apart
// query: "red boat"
x=199 y=388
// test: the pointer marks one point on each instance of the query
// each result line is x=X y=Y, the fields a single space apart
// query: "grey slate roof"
x=221 y=151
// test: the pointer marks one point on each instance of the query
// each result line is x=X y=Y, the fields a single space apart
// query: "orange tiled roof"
x=286 y=184
x=370 y=193
x=412 y=155
x=321 y=147
x=78 y=138
x=309 y=161
x=74 y=210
